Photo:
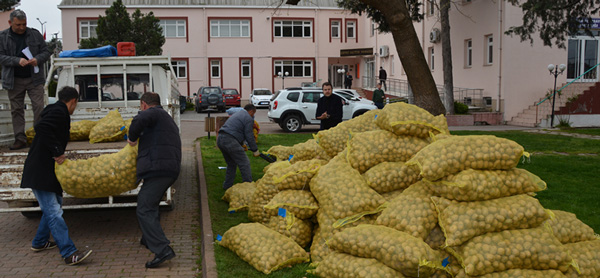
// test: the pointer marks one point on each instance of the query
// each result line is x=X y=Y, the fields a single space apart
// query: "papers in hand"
x=27 y=53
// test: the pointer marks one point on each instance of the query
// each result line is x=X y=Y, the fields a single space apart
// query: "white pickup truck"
x=104 y=84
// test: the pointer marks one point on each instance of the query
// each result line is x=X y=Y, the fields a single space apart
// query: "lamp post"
x=283 y=76
x=342 y=71
x=42 y=23
x=555 y=71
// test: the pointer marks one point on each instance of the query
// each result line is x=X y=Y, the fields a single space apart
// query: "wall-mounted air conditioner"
x=434 y=35
x=384 y=51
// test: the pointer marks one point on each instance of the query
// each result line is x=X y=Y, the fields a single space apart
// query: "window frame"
x=211 y=20
x=339 y=28
x=247 y=66
x=163 y=22
x=80 y=20
x=489 y=50
x=431 y=59
x=430 y=8
x=215 y=64
x=292 y=66
x=177 y=66
x=468 y=53
x=354 y=27
x=280 y=23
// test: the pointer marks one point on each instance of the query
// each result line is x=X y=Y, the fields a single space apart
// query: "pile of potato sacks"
x=392 y=194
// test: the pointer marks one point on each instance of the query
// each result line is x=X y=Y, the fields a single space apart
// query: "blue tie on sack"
x=446 y=261
x=219 y=237
x=282 y=212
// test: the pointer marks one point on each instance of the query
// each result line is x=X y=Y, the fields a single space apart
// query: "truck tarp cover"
x=104 y=51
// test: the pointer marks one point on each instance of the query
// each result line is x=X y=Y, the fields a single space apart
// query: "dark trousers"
x=235 y=157
x=148 y=215
x=382 y=81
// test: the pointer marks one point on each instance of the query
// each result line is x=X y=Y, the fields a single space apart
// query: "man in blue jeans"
x=48 y=147
x=236 y=130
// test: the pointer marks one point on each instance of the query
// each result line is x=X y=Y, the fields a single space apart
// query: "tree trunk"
x=411 y=54
x=447 y=56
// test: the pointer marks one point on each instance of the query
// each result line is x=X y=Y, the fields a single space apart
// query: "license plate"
x=263 y=103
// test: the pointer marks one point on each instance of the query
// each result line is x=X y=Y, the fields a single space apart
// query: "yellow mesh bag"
x=297 y=229
x=308 y=150
x=407 y=119
x=398 y=250
x=265 y=191
x=479 y=185
x=462 y=221
x=518 y=273
x=296 y=176
x=101 y=176
x=412 y=212
x=436 y=238
x=239 y=196
x=391 y=176
x=80 y=130
x=342 y=265
x=281 y=152
x=264 y=249
x=367 y=149
x=334 y=140
x=457 y=153
x=533 y=248
x=30 y=133
x=587 y=256
x=568 y=229
x=388 y=196
x=109 y=129
x=300 y=203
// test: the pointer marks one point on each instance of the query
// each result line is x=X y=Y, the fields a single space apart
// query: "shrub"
x=460 y=108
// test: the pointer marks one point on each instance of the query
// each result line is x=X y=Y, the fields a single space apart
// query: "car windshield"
x=230 y=92
x=262 y=93
x=211 y=91
x=345 y=95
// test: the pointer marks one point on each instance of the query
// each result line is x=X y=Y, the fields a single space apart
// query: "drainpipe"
x=500 y=34
x=316 y=73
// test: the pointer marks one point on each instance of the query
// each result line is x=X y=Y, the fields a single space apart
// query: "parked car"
x=348 y=92
x=294 y=107
x=261 y=97
x=209 y=98
x=232 y=97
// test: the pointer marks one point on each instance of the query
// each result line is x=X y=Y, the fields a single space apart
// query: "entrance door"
x=369 y=73
x=337 y=79
x=582 y=56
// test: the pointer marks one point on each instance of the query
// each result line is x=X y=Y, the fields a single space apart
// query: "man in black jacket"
x=158 y=164
x=48 y=147
x=329 y=108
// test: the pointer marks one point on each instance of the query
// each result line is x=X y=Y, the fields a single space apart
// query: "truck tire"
x=292 y=123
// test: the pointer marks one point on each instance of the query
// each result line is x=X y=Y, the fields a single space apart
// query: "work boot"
x=18 y=145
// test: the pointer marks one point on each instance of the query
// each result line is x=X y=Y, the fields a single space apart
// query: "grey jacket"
x=240 y=125
x=38 y=49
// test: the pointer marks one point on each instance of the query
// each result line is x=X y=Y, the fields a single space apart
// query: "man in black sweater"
x=158 y=164
x=329 y=108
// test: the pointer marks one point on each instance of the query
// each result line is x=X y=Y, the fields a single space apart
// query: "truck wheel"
x=32 y=214
x=292 y=123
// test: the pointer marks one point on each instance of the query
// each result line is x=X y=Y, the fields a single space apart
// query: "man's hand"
x=60 y=159
x=256 y=153
x=23 y=62
x=323 y=116
x=32 y=62
x=131 y=143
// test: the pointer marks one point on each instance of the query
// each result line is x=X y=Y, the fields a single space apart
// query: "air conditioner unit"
x=384 y=51
x=434 y=35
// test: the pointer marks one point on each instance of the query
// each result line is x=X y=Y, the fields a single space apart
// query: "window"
x=87 y=29
x=296 y=28
x=431 y=59
x=373 y=28
x=489 y=49
x=351 y=29
x=392 y=64
x=294 y=68
x=111 y=86
x=335 y=29
x=430 y=7
x=468 y=53
x=215 y=69
x=224 y=28
x=180 y=68
x=246 y=64
x=173 y=28
x=293 y=97
x=311 y=97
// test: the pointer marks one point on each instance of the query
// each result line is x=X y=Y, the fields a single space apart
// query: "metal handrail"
x=578 y=77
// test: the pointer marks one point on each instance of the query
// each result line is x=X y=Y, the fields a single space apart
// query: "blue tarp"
x=104 y=51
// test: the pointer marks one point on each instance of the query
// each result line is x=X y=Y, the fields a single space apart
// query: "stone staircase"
x=529 y=118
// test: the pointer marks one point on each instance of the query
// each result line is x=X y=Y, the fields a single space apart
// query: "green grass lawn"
x=589 y=131
x=569 y=166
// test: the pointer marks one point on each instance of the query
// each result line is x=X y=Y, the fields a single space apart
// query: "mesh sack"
x=457 y=153
x=390 y=176
x=308 y=150
x=80 y=130
x=340 y=265
x=533 y=248
x=334 y=140
x=367 y=149
x=101 y=176
x=281 y=152
x=109 y=129
x=296 y=176
x=568 y=229
x=239 y=196
x=297 y=229
x=265 y=191
x=518 y=273
x=264 y=249
x=407 y=119
x=436 y=238
x=30 y=133
x=587 y=256
x=462 y=221
x=479 y=185
x=388 y=196
x=407 y=254
x=300 y=203
x=412 y=212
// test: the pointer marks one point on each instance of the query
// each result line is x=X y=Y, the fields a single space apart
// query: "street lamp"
x=342 y=71
x=42 y=23
x=555 y=71
x=283 y=76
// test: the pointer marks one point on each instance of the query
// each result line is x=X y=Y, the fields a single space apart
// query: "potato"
x=342 y=265
x=568 y=229
x=410 y=120
x=109 y=129
x=334 y=140
x=390 y=176
x=239 y=196
x=587 y=256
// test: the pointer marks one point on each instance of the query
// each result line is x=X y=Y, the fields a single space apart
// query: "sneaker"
x=77 y=257
x=48 y=245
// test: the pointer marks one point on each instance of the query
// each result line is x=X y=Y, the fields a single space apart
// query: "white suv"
x=293 y=107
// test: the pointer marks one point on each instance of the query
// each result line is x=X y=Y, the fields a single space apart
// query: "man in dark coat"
x=158 y=164
x=48 y=147
x=348 y=81
x=329 y=108
x=382 y=77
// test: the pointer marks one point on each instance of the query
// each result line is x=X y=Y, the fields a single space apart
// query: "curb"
x=209 y=265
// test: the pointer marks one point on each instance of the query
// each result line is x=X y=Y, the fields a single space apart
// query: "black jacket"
x=51 y=138
x=334 y=106
x=159 y=150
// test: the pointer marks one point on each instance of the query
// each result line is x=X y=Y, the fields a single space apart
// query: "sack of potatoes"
x=80 y=130
x=410 y=120
x=308 y=150
x=587 y=256
x=239 y=196
x=334 y=140
x=297 y=229
x=517 y=273
x=568 y=229
x=111 y=128
x=391 y=176
x=300 y=203
x=347 y=266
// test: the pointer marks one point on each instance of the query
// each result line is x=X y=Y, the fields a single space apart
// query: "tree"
x=6 y=5
x=55 y=46
x=447 y=55
x=118 y=26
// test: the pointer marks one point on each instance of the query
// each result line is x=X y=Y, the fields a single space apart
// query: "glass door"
x=582 y=56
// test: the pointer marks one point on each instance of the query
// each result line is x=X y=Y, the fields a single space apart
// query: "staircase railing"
x=560 y=90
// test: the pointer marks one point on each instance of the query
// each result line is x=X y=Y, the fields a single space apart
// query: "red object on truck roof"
x=125 y=49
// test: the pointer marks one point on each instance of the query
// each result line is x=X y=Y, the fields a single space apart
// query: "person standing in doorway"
x=48 y=147
x=329 y=108
x=158 y=164
x=378 y=97
x=383 y=77
x=23 y=53
x=348 y=81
